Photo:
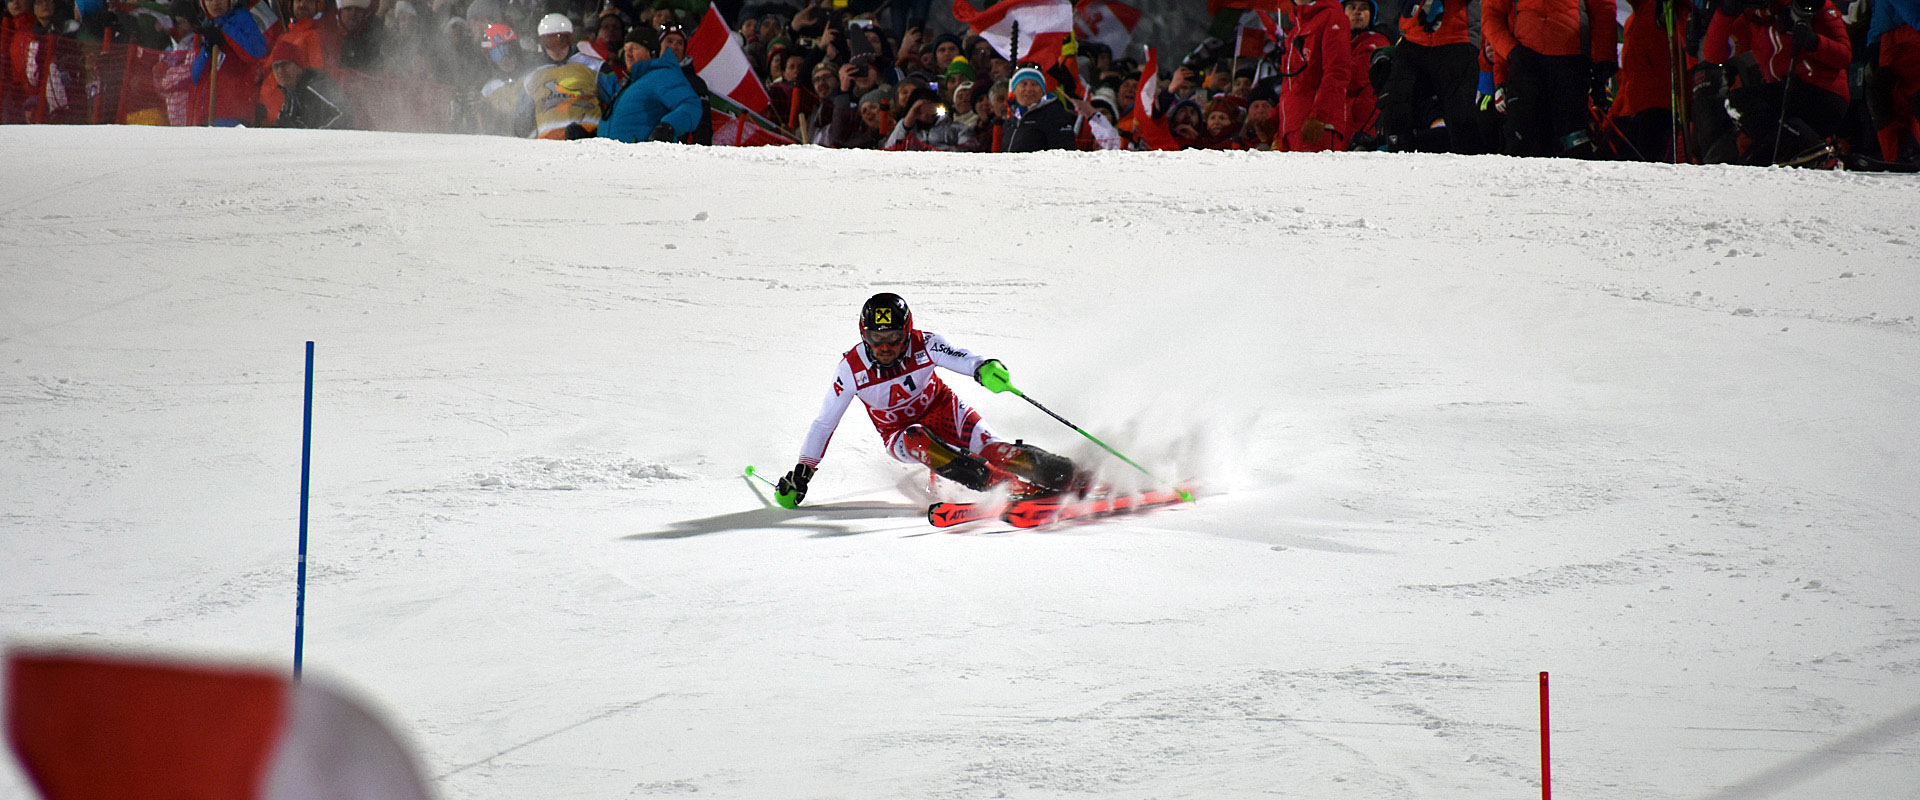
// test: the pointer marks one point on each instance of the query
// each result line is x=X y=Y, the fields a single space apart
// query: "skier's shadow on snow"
x=817 y=518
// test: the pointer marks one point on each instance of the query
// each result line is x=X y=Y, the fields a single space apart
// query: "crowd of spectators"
x=1745 y=81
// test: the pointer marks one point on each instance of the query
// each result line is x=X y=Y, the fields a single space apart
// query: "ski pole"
x=762 y=478
x=1184 y=494
x=1786 y=96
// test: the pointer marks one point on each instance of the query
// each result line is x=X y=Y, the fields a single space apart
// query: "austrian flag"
x=93 y=726
x=1107 y=22
x=1041 y=25
x=1151 y=128
x=718 y=59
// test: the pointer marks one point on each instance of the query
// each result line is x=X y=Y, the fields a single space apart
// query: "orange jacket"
x=1453 y=28
x=1548 y=27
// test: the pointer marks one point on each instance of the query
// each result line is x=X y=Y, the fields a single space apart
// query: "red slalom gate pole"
x=1546 y=762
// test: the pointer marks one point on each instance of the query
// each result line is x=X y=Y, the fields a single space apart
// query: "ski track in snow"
x=1456 y=421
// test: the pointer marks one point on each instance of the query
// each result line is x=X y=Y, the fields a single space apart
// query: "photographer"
x=1798 y=96
x=858 y=109
x=927 y=125
x=861 y=76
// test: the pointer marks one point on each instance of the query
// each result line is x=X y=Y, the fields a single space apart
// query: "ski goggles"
x=890 y=338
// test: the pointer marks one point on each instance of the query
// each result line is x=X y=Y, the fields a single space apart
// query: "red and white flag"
x=88 y=727
x=1042 y=25
x=1146 y=128
x=732 y=131
x=720 y=61
x=1259 y=31
x=1107 y=22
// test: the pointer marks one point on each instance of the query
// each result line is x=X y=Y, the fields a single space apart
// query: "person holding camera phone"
x=928 y=125
x=1801 y=52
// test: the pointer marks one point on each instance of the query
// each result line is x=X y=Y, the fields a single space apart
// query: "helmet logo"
x=883 y=316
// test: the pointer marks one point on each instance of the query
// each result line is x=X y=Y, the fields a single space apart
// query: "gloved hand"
x=662 y=133
x=1431 y=13
x=1804 y=38
x=1313 y=131
x=793 y=487
x=1379 y=66
x=993 y=375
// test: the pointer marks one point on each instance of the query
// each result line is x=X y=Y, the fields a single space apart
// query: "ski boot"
x=1043 y=473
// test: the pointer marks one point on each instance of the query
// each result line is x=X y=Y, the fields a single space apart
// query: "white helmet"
x=555 y=23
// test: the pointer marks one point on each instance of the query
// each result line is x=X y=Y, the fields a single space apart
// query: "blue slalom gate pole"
x=306 y=463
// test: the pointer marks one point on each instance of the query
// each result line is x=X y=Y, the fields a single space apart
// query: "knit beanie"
x=960 y=67
x=646 y=36
x=1027 y=74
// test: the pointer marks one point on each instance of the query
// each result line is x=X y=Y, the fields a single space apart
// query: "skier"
x=920 y=420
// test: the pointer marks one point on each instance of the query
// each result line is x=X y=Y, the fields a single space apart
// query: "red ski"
x=1045 y=511
x=947 y=515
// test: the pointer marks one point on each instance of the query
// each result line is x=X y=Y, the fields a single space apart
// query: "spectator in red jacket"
x=45 y=80
x=1363 y=111
x=1318 y=63
x=228 y=63
x=1783 y=120
x=1436 y=58
x=1642 y=112
x=1554 y=55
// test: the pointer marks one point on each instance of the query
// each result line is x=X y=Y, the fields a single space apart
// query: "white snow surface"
x=1652 y=429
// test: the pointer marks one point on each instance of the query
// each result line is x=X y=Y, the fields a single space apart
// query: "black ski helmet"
x=885 y=312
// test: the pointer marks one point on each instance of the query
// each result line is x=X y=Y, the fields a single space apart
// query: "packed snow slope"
x=1459 y=421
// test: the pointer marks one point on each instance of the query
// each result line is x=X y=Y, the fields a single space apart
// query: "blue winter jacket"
x=655 y=92
x=1890 y=14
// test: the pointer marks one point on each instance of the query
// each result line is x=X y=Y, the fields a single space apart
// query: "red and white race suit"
x=898 y=395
